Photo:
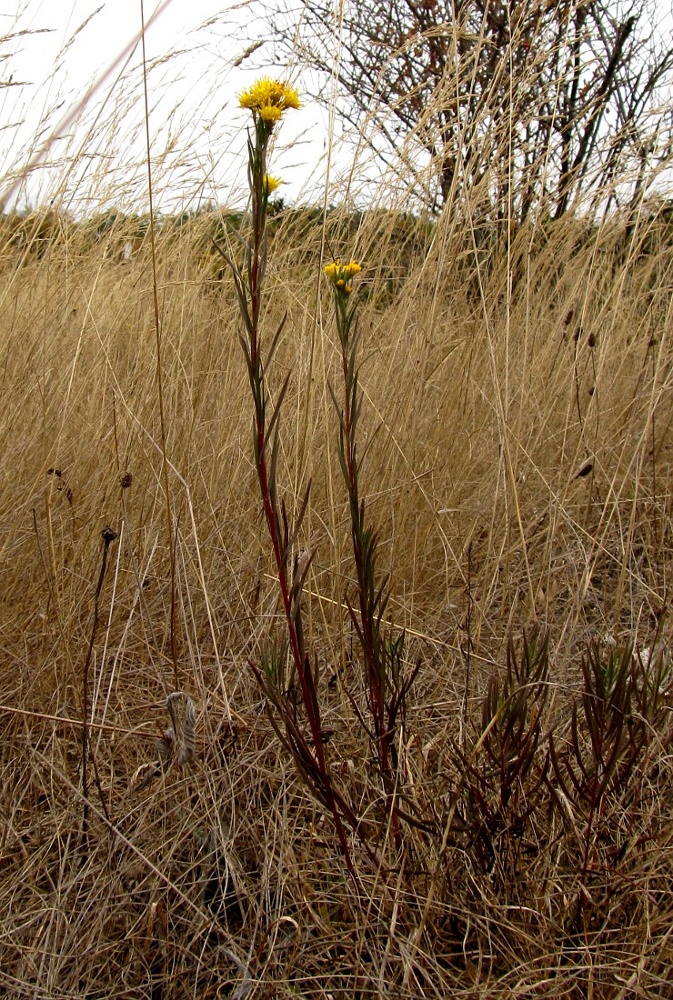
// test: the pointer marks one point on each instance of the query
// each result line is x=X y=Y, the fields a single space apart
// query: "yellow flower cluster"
x=342 y=274
x=269 y=99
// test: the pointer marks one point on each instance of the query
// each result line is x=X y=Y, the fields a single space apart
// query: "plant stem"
x=108 y=537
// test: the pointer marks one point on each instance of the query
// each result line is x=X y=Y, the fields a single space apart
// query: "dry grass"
x=488 y=391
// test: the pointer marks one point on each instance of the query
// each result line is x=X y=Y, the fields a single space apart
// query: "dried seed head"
x=166 y=746
x=125 y=480
x=183 y=716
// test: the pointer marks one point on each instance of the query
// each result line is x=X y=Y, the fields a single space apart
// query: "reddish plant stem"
x=371 y=638
x=256 y=260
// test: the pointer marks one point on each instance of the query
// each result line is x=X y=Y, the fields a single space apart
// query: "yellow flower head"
x=271 y=184
x=269 y=99
x=270 y=114
x=342 y=274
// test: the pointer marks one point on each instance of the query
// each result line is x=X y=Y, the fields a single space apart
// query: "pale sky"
x=197 y=129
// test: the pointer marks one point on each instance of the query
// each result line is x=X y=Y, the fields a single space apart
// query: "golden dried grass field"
x=516 y=449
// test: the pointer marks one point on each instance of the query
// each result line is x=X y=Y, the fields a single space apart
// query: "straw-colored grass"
x=517 y=418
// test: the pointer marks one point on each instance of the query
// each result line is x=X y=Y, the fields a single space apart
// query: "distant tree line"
x=119 y=236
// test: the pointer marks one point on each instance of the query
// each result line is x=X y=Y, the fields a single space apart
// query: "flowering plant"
x=267 y=100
